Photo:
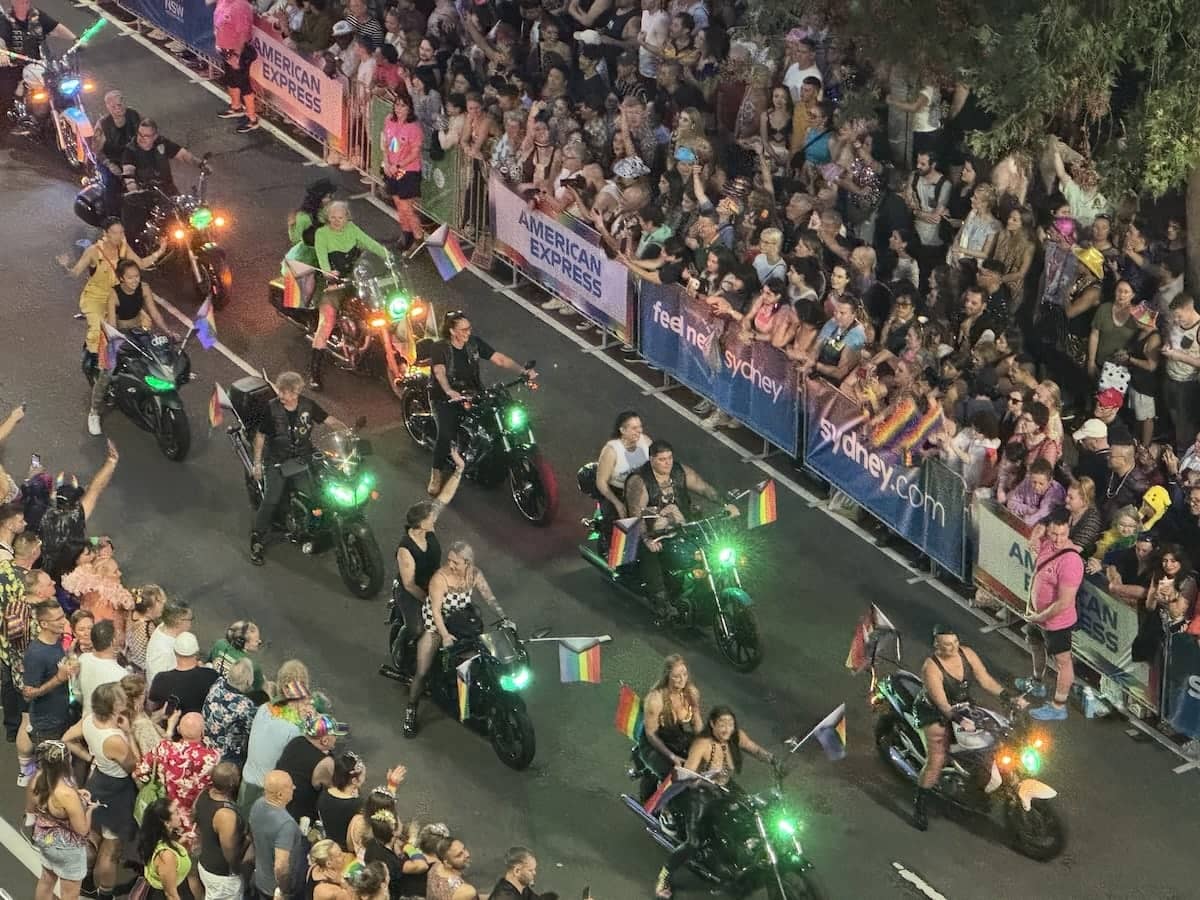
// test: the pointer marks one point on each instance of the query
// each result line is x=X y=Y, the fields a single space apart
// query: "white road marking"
x=919 y=883
x=15 y=843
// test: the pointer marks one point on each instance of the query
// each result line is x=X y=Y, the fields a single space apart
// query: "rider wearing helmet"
x=947 y=674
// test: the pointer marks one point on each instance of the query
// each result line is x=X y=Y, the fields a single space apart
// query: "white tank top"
x=627 y=460
x=95 y=738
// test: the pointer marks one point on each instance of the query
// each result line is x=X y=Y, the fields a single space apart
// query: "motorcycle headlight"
x=1031 y=760
x=785 y=826
x=726 y=556
x=340 y=493
x=515 y=417
x=158 y=385
x=69 y=87
x=362 y=490
x=398 y=304
x=201 y=218
x=516 y=680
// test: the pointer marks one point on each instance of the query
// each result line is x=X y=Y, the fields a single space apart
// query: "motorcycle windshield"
x=500 y=644
x=375 y=281
x=339 y=447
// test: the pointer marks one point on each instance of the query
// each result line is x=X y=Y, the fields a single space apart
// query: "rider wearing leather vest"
x=24 y=30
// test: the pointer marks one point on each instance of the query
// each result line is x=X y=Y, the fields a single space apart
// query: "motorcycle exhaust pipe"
x=663 y=841
x=902 y=764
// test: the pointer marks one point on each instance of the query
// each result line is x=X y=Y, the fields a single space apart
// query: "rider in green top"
x=302 y=229
x=337 y=244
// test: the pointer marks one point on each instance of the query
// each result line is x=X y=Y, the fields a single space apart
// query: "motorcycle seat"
x=908 y=687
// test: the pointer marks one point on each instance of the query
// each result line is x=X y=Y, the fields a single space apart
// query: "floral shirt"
x=185 y=768
x=228 y=715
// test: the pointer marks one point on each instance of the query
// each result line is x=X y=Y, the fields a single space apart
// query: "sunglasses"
x=1016 y=400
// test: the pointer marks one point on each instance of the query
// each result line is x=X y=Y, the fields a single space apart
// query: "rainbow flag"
x=579 y=660
x=298 y=283
x=464 y=688
x=623 y=543
x=831 y=734
x=871 y=628
x=762 y=505
x=666 y=792
x=205 y=324
x=109 y=346
x=629 y=713
x=217 y=404
x=446 y=253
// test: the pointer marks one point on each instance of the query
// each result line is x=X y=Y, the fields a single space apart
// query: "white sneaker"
x=23 y=780
x=94 y=424
x=553 y=304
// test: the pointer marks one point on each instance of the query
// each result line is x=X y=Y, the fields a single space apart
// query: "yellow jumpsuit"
x=93 y=301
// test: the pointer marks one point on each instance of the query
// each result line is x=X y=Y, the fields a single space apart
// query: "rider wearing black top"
x=146 y=163
x=285 y=433
x=665 y=486
x=24 y=31
x=109 y=146
x=454 y=362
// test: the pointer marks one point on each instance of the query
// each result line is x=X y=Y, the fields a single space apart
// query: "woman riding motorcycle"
x=947 y=675
x=131 y=305
x=449 y=612
x=304 y=222
x=626 y=451
x=337 y=244
x=670 y=719
x=716 y=754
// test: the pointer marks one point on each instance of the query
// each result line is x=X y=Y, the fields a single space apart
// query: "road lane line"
x=218 y=346
x=14 y=842
x=919 y=883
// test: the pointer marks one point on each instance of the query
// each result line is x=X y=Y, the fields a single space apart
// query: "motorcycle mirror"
x=360 y=422
x=540 y=633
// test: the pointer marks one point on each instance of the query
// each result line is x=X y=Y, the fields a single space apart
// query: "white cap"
x=187 y=645
x=342 y=27
x=1092 y=428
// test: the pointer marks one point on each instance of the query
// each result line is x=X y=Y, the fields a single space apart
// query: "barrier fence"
x=923 y=501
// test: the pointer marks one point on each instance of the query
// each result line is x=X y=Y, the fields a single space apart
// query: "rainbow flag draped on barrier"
x=906 y=427
x=579 y=660
x=628 y=720
x=446 y=252
x=217 y=404
x=206 y=325
x=623 y=544
x=762 y=505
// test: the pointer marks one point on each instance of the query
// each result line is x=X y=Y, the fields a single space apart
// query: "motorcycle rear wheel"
x=418 y=419
x=174 y=434
x=1039 y=834
x=741 y=646
x=801 y=885
x=534 y=489
x=360 y=562
x=511 y=732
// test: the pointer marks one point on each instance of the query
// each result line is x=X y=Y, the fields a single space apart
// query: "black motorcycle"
x=49 y=106
x=700 y=565
x=752 y=845
x=150 y=369
x=498 y=672
x=329 y=508
x=989 y=771
x=381 y=326
x=494 y=438
x=185 y=223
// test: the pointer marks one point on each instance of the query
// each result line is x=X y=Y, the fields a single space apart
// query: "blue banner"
x=1181 y=693
x=752 y=381
x=188 y=21
x=924 y=504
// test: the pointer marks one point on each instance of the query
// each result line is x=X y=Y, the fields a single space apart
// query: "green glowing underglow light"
x=1031 y=761
x=517 y=681
x=517 y=417
x=161 y=385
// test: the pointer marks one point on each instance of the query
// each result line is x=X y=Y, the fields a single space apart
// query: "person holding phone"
x=62 y=820
x=1181 y=387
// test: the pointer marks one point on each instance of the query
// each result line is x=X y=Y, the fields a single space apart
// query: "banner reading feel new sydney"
x=751 y=380
x=306 y=94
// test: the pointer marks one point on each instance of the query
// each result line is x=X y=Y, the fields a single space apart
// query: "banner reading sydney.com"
x=752 y=381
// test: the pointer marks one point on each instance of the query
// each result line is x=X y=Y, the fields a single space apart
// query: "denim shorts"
x=67 y=862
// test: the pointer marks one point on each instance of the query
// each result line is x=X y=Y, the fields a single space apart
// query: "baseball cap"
x=342 y=27
x=1110 y=398
x=685 y=154
x=320 y=726
x=1092 y=428
x=187 y=645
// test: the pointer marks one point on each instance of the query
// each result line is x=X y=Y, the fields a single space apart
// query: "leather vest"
x=466 y=378
x=29 y=40
x=654 y=491
x=287 y=441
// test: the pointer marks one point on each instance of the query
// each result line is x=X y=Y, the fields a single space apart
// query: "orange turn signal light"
x=39 y=96
x=318 y=513
x=180 y=234
x=219 y=221
x=377 y=322
x=374 y=495
x=88 y=87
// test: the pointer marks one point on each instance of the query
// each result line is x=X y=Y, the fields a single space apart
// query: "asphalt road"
x=185 y=525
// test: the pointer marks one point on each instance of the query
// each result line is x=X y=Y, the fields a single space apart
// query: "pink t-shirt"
x=1065 y=570
x=233 y=24
x=402 y=144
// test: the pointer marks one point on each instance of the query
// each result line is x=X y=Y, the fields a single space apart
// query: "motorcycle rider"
x=627 y=450
x=130 y=305
x=454 y=363
x=449 y=612
x=24 y=30
x=671 y=719
x=717 y=754
x=146 y=163
x=114 y=132
x=302 y=225
x=285 y=433
x=947 y=674
x=665 y=487
x=337 y=244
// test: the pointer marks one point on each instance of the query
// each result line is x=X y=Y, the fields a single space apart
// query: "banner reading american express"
x=306 y=94
x=563 y=256
x=750 y=380
x=923 y=505
x=188 y=21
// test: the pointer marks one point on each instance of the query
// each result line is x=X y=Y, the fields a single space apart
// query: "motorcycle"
x=990 y=771
x=49 y=104
x=494 y=438
x=379 y=320
x=752 y=845
x=700 y=566
x=498 y=672
x=329 y=508
x=150 y=369
x=185 y=223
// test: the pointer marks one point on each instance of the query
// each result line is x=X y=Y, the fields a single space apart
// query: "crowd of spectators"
x=151 y=766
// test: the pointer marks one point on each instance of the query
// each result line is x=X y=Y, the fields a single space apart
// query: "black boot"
x=256 y=549
x=410 y=721
x=920 y=818
x=314 y=370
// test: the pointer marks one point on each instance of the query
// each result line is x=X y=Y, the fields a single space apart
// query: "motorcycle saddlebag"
x=89 y=204
x=586 y=479
x=250 y=396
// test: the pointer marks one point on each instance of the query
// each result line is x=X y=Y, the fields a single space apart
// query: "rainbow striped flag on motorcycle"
x=299 y=280
x=667 y=791
x=762 y=505
x=579 y=660
x=629 y=713
x=108 y=348
x=831 y=734
x=206 y=325
x=623 y=543
x=217 y=404
x=463 y=673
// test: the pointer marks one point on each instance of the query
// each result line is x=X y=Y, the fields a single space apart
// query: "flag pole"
x=187 y=337
x=599 y=639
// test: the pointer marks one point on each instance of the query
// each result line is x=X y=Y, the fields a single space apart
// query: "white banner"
x=566 y=258
x=299 y=87
x=1004 y=566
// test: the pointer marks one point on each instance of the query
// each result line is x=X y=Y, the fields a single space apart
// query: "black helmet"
x=940 y=629
x=67 y=490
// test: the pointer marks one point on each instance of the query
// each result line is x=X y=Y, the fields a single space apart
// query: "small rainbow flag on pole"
x=623 y=543
x=217 y=404
x=579 y=660
x=206 y=325
x=109 y=346
x=294 y=291
x=667 y=791
x=446 y=253
x=762 y=505
x=629 y=713
x=831 y=734
x=464 y=688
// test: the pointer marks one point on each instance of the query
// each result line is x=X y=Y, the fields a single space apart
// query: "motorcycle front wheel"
x=360 y=562
x=418 y=419
x=1039 y=834
x=736 y=634
x=174 y=434
x=511 y=732
x=801 y=885
x=70 y=143
x=534 y=489
x=216 y=278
